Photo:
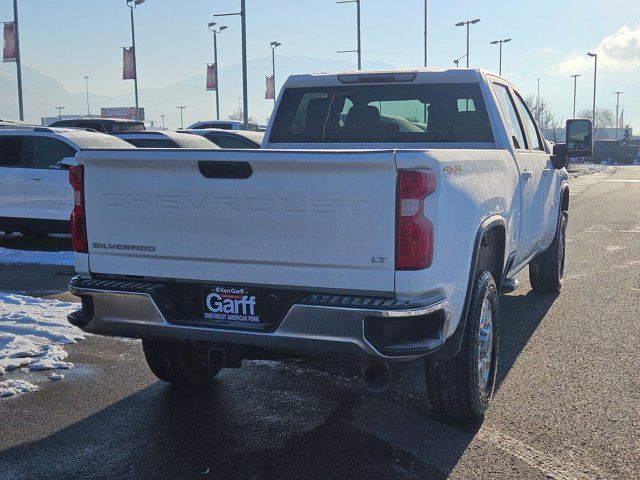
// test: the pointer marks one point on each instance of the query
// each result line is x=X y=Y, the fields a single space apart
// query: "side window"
x=511 y=116
x=11 y=151
x=224 y=141
x=47 y=152
x=529 y=125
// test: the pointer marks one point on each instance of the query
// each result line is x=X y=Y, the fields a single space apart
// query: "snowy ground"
x=32 y=331
x=12 y=257
x=579 y=169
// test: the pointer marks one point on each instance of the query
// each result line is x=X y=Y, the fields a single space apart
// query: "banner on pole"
x=211 y=77
x=621 y=119
x=9 y=51
x=128 y=64
x=270 y=93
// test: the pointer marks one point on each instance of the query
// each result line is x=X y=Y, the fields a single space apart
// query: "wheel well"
x=564 y=202
x=491 y=252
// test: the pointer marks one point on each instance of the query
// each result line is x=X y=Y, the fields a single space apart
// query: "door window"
x=514 y=129
x=224 y=141
x=11 y=151
x=47 y=152
x=529 y=125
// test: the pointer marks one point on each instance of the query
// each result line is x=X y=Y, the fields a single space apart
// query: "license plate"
x=231 y=304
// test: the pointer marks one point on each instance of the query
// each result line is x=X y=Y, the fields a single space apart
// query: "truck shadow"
x=267 y=420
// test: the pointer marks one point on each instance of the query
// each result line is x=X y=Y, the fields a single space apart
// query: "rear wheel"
x=545 y=275
x=180 y=363
x=461 y=387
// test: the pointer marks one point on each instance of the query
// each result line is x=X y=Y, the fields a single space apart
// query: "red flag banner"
x=9 y=52
x=211 y=77
x=128 y=65
x=270 y=94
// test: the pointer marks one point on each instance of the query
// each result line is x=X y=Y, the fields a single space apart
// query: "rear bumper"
x=386 y=333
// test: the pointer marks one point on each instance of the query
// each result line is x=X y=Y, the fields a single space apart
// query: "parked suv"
x=104 y=125
x=35 y=195
x=225 y=125
x=230 y=139
x=165 y=139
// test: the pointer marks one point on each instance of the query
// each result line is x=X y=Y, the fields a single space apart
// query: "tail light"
x=414 y=233
x=78 y=220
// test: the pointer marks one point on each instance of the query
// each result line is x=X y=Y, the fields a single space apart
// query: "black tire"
x=453 y=384
x=545 y=273
x=180 y=363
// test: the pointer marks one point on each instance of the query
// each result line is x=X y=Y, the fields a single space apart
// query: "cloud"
x=619 y=51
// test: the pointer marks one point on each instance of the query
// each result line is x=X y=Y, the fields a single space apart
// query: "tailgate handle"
x=225 y=169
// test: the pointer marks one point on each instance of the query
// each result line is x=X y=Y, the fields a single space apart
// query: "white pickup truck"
x=378 y=224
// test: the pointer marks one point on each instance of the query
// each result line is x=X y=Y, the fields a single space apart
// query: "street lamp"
x=500 y=42
x=274 y=45
x=212 y=27
x=162 y=117
x=60 y=108
x=86 y=83
x=617 y=114
x=359 y=49
x=132 y=4
x=457 y=60
x=575 y=85
x=595 y=76
x=18 y=60
x=467 y=23
x=245 y=88
x=181 y=108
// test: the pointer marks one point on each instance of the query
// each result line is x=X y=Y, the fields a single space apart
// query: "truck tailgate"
x=318 y=219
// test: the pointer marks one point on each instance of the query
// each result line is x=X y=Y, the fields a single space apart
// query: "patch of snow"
x=587 y=169
x=20 y=257
x=56 y=376
x=31 y=332
x=613 y=248
x=11 y=388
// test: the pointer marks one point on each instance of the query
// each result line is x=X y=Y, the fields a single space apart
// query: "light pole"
x=426 y=18
x=132 y=4
x=212 y=27
x=467 y=23
x=18 y=60
x=595 y=76
x=245 y=88
x=60 y=108
x=274 y=45
x=86 y=83
x=575 y=85
x=181 y=108
x=500 y=42
x=617 y=114
x=162 y=117
x=359 y=49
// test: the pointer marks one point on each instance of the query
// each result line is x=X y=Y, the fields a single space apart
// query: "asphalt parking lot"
x=567 y=404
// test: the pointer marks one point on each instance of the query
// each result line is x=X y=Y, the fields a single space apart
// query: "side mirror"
x=579 y=138
x=560 y=158
x=67 y=163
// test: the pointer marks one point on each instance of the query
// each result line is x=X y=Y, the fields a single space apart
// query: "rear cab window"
x=386 y=113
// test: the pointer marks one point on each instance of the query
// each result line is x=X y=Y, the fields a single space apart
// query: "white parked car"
x=380 y=223
x=230 y=138
x=225 y=125
x=165 y=139
x=35 y=195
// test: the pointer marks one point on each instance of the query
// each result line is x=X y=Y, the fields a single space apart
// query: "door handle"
x=526 y=175
x=37 y=179
x=546 y=171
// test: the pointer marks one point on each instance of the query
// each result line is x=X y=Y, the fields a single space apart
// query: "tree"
x=239 y=116
x=544 y=117
x=604 y=119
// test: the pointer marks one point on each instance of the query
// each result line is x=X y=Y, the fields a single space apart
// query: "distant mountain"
x=42 y=93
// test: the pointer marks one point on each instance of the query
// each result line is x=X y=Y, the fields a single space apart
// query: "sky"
x=68 y=39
